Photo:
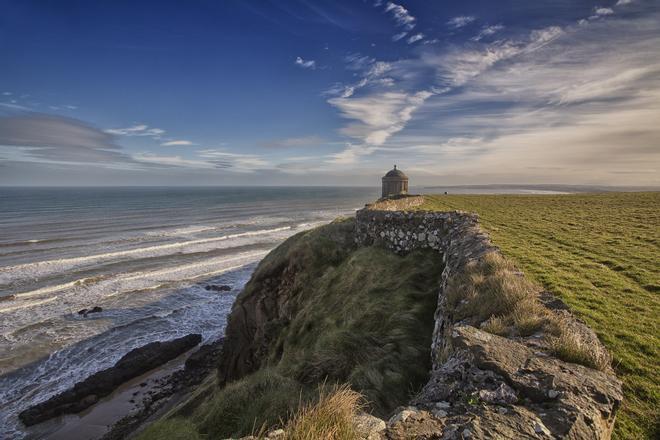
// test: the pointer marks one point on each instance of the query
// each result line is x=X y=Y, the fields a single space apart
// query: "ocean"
x=145 y=256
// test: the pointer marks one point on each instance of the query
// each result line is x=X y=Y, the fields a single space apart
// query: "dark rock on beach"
x=86 y=393
x=218 y=288
x=85 y=312
x=197 y=367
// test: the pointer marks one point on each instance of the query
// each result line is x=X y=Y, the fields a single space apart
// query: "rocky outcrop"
x=86 y=393
x=197 y=368
x=496 y=387
x=85 y=312
x=218 y=288
x=482 y=385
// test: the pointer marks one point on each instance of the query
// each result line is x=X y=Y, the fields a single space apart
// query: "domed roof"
x=396 y=173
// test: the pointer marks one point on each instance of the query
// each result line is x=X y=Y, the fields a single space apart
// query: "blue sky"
x=329 y=92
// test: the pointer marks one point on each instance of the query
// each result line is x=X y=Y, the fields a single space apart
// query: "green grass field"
x=601 y=254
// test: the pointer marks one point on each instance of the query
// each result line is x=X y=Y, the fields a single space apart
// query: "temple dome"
x=394 y=172
x=395 y=183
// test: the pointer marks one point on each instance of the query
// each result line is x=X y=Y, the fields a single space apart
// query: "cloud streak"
x=305 y=64
x=137 y=130
x=460 y=21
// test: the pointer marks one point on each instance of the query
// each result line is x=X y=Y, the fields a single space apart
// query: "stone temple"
x=395 y=183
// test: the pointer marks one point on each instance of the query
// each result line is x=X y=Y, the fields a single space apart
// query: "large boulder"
x=496 y=387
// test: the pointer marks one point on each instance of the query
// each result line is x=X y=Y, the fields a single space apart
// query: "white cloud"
x=137 y=130
x=295 y=142
x=623 y=2
x=400 y=35
x=242 y=163
x=175 y=161
x=176 y=143
x=487 y=31
x=415 y=38
x=305 y=64
x=371 y=72
x=401 y=15
x=460 y=21
x=378 y=116
x=603 y=11
x=7 y=93
x=573 y=105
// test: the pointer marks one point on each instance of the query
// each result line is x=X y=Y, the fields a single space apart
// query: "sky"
x=330 y=92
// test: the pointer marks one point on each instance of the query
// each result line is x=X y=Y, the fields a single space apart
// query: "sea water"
x=145 y=255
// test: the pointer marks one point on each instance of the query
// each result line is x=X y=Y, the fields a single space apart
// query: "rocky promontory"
x=86 y=393
x=424 y=317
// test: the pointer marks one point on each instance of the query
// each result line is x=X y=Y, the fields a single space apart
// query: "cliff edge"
x=419 y=313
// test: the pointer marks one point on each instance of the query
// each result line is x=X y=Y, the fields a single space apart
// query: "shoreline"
x=123 y=411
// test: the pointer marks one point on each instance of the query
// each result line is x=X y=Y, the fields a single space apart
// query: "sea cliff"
x=420 y=314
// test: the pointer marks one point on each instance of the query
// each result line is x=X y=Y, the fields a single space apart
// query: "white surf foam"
x=43 y=268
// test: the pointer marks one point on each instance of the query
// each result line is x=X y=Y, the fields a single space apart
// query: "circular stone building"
x=395 y=183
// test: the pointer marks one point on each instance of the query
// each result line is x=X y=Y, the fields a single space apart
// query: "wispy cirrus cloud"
x=556 y=104
x=305 y=64
x=176 y=143
x=403 y=19
x=241 y=163
x=378 y=116
x=38 y=137
x=294 y=142
x=137 y=130
x=553 y=98
x=487 y=31
x=415 y=38
x=460 y=21
x=401 y=15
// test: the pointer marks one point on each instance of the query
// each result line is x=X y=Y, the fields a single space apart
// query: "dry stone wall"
x=483 y=386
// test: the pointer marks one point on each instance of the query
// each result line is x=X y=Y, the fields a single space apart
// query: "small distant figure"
x=395 y=183
x=446 y=193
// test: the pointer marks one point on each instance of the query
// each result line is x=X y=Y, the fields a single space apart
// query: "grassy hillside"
x=601 y=254
x=361 y=317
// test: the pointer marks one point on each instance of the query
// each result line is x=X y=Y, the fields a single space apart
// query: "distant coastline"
x=531 y=189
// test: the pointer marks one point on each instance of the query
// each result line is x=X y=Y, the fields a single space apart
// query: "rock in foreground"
x=86 y=393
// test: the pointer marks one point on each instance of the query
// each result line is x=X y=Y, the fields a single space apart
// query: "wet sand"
x=130 y=399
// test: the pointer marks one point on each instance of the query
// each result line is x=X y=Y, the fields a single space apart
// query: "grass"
x=330 y=415
x=493 y=294
x=331 y=418
x=360 y=317
x=172 y=429
x=600 y=254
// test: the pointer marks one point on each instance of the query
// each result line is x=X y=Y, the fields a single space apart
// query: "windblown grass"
x=259 y=400
x=331 y=418
x=599 y=253
x=360 y=317
x=173 y=429
x=492 y=293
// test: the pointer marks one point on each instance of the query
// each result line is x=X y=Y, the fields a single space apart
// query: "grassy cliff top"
x=600 y=253
x=316 y=313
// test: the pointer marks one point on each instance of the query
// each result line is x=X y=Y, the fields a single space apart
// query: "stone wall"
x=483 y=386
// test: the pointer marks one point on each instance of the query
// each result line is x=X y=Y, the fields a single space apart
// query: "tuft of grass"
x=261 y=399
x=172 y=429
x=568 y=346
x=599 y=253
x=331 y=418
x=496 y=325
x=487 y=287
x=529 y=316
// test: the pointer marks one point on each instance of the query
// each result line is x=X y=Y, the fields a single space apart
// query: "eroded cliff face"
x=480 y=385
x=272 y=296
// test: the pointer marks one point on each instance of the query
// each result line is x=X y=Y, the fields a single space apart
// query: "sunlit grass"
x=600 y=254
